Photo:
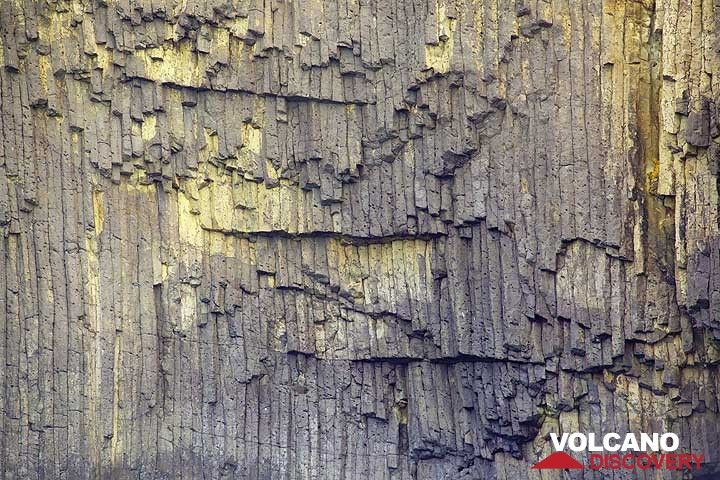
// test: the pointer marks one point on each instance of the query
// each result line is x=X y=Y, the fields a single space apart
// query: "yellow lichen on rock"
x=189 y=227
x=237 y=26
x=439 y=56
x=178 y=64
x=149 y=126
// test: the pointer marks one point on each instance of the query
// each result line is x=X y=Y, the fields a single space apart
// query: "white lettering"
x=577 y=442
x=592 y=446
x=630 y=443
x=559 y=444
x=649 y=443
x=608 y=446
x=664 y=442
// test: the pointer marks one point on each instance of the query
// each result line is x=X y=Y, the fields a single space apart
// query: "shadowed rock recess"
x=355 y=239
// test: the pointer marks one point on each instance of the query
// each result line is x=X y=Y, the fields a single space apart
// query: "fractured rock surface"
x=355 y=239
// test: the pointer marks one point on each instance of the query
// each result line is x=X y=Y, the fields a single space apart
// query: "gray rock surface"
x=354 y=239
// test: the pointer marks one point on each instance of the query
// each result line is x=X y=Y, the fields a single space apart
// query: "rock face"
x=354 y=239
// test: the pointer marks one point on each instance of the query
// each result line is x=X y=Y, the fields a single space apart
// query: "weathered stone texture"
x=354 y=239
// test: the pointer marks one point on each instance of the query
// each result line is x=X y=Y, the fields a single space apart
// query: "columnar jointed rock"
x=355 y=239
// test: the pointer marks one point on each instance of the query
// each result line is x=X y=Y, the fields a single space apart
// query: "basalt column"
x=355 y=239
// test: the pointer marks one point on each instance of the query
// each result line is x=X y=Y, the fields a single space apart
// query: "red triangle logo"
x=558 y=461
